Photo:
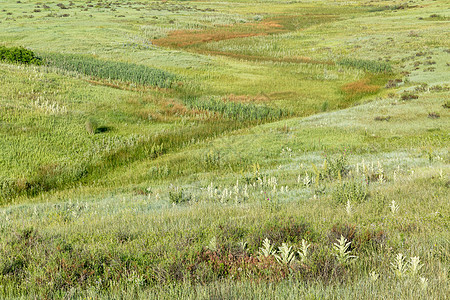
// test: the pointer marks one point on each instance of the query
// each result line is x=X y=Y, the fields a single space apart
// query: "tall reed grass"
x=366 y=65
x=111 y=69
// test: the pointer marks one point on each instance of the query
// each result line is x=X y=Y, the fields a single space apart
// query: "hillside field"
x=224 y=150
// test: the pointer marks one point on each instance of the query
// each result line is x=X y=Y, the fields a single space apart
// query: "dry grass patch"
x=359 y=88
x=247 y=98
x=189 y=38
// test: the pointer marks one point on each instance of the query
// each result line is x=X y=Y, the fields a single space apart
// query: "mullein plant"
x=341 y=251
x=394 y=207
x=266 y=250
x=303 y=253
x=212 y=246
x=415 y=266
x=400 y=265
x=285 y=255
x=374 y=276
x=349 y=208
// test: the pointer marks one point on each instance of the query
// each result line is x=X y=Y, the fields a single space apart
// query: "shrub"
x=393 y=83
x=434 y=115
x=19 y=55
x=337 y=167
x=178 y=196
x=381 y=118
x=323 y=267
x=368 y=239
x=408 y=96
x=352 y=191
x=278 y=232
x=360 y=88
x=348 y=231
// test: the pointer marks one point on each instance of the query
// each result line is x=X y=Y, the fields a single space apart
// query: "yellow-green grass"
x=285 y=84
x=142 y=223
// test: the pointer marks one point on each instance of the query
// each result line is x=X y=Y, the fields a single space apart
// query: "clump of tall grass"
x=91 y=126
x=331 y=169
x=352 y=191
x=178 y=195
x=111 y=69
x=237 y=111
x=19 y=55
x=366 y=65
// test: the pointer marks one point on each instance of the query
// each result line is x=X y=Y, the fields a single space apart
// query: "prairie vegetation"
x=18 y=55
x=110 y=70
x=241 y=149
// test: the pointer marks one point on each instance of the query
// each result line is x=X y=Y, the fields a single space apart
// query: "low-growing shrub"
x=408 y=96
x=337 y=167
x=392 y=83
x=323 y=267
x=348 y=231
x=352 y=191
x=178 y=196
x=281 y=231
x=434 y=115
x=381 y=118
x=19 y=55
x=224 y=263
x=358 y=89
x=368 y=239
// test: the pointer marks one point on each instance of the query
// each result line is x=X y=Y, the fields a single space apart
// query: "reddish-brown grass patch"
x=193 y=39
x=187 y=38
x=359 y=88
x=246 y=98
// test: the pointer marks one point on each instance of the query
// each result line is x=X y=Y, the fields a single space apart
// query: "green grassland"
x=152 y=147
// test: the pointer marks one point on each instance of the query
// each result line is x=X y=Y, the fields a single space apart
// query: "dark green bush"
x=19 y=55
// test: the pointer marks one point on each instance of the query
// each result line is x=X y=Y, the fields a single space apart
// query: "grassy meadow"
x=224 y=150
